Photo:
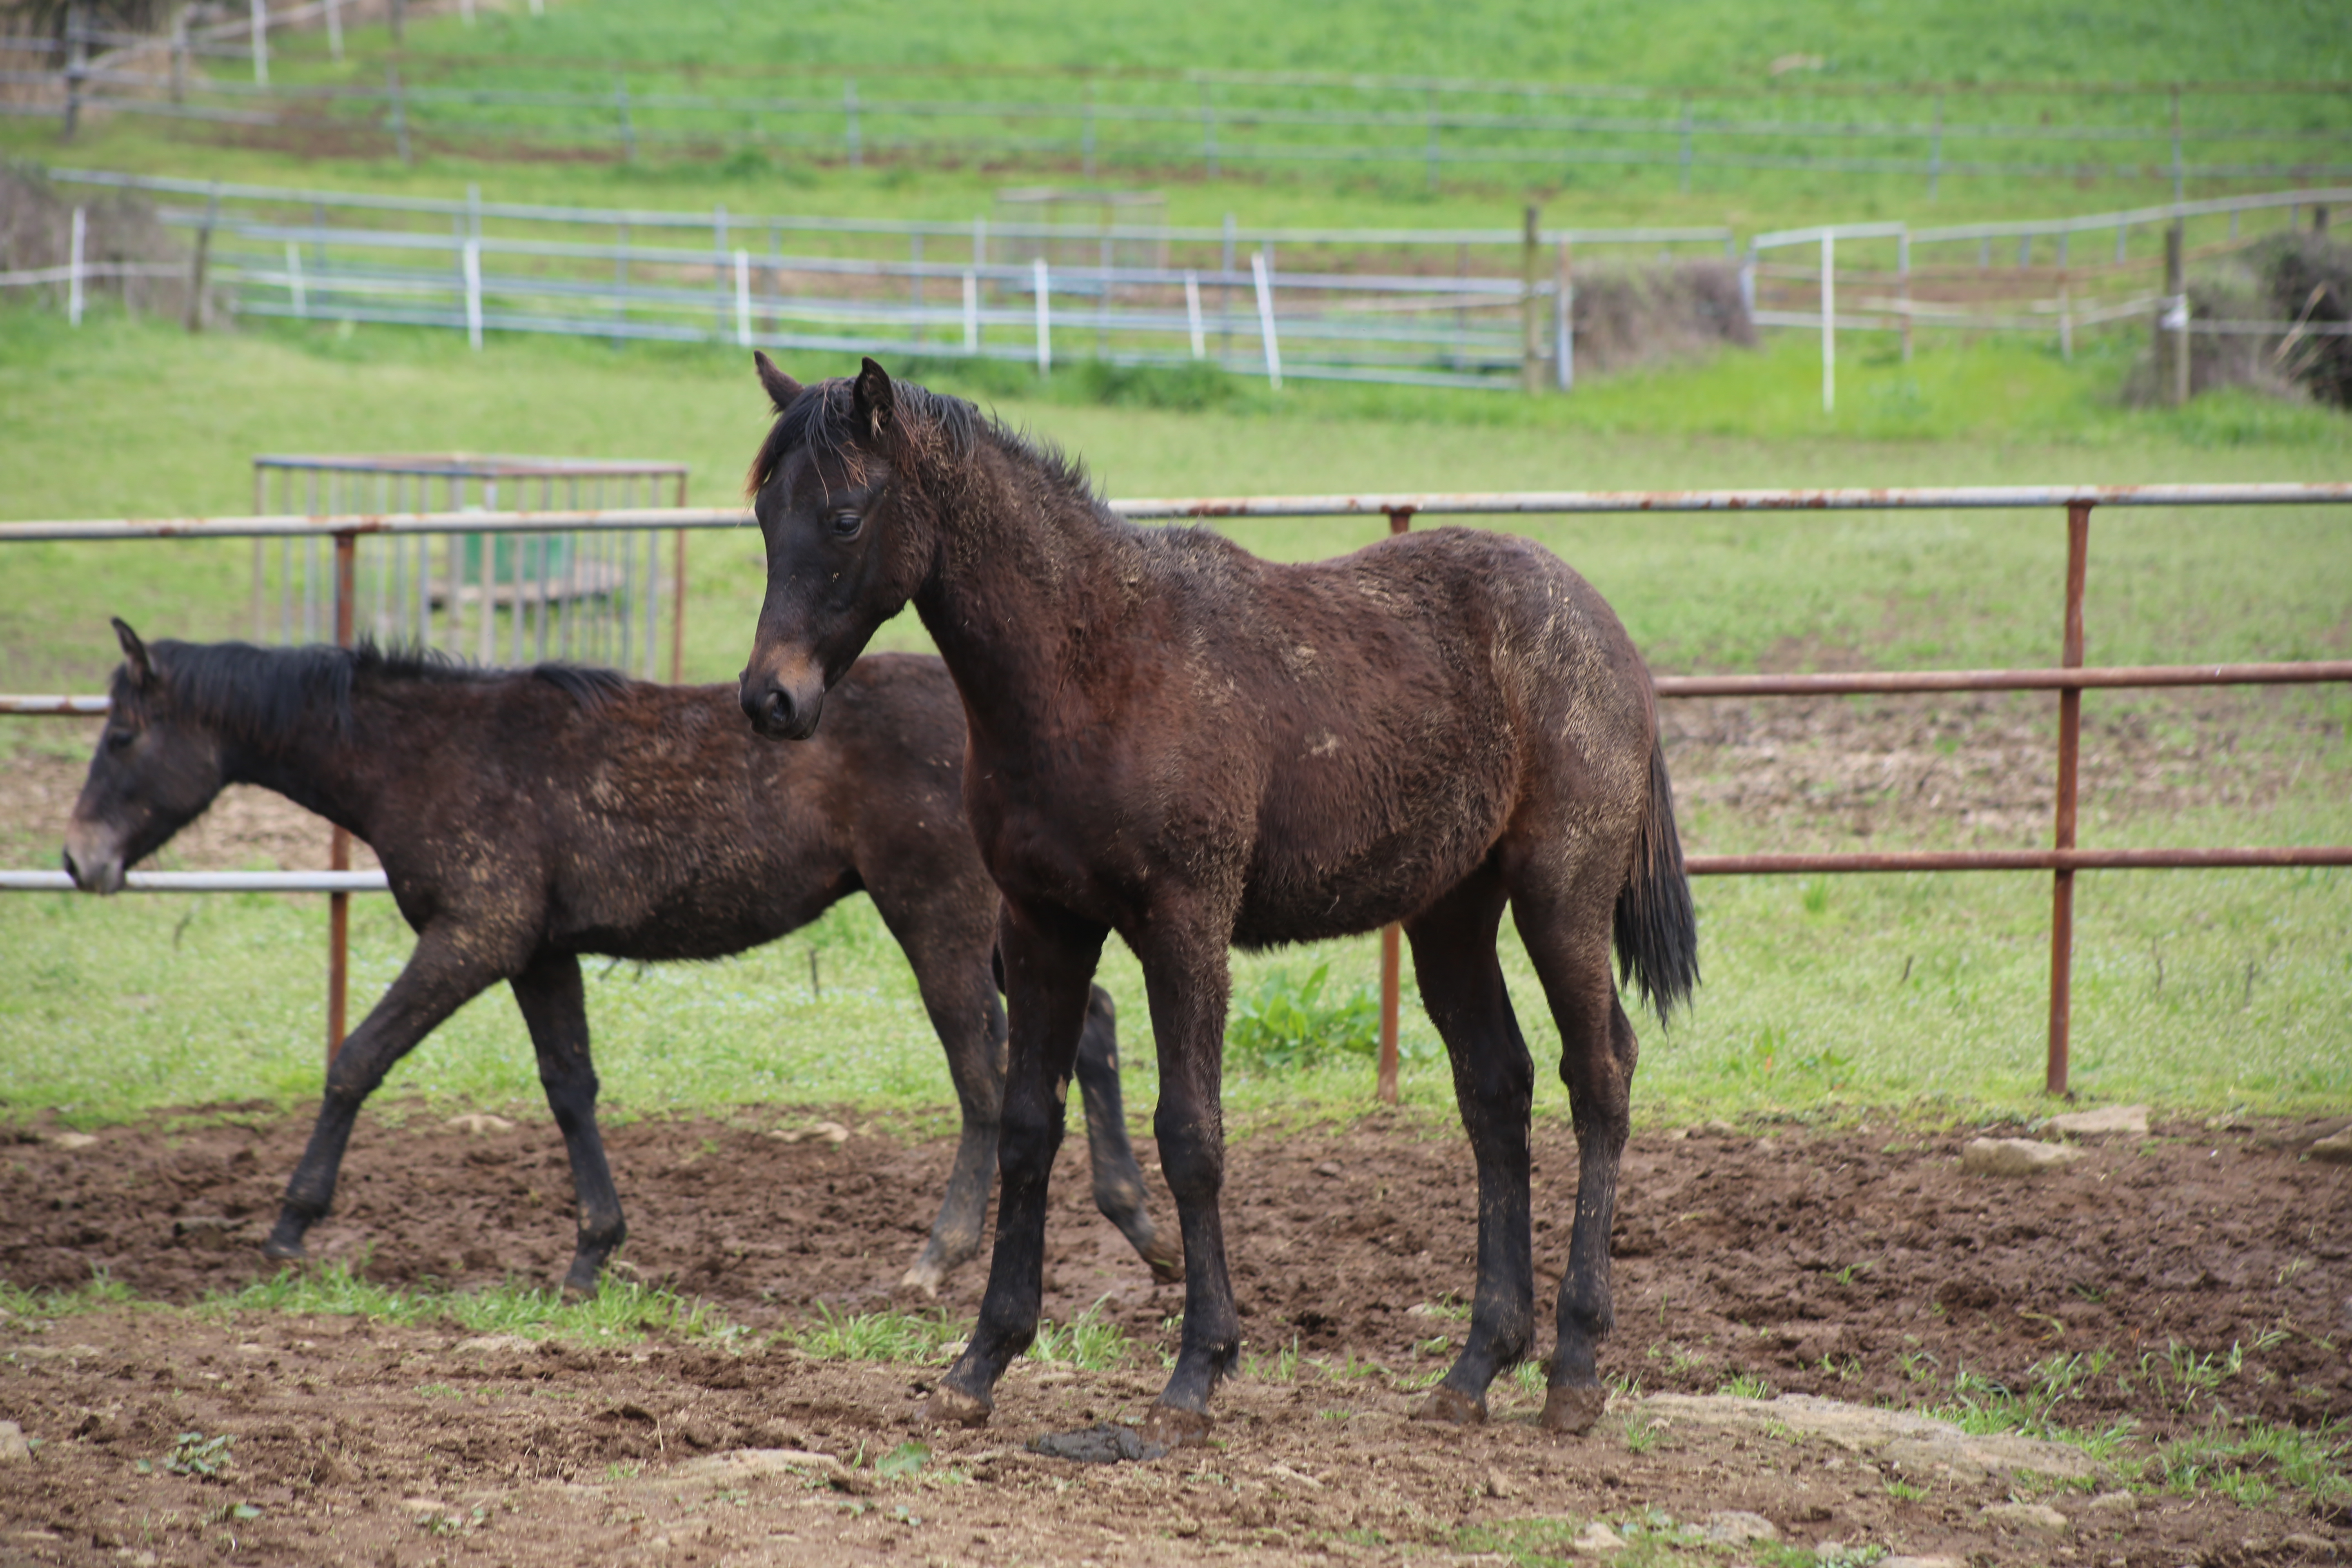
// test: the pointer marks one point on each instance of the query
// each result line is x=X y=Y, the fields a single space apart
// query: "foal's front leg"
x=1049 y=962
x=556 y=1012
x=1185 y=972
x=444 y=973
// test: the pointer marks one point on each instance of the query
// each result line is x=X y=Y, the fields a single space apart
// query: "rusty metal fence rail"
x=2070 y=678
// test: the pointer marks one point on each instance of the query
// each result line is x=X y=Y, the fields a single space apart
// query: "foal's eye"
x=845 y=524
x=120 y=740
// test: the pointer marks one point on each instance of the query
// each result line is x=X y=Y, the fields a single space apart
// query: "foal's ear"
x=134 y=653
x=874 y=401
x=782 y=389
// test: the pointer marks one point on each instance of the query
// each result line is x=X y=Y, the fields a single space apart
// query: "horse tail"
x=1656 y=928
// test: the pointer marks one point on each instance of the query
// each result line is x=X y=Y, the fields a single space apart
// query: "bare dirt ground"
x=1861 y=1265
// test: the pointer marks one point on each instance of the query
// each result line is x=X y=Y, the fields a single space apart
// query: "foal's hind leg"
x=1118 y=1180
x=1568 y=939
x=1494 y=1083
x=554 y=1008
x=1049 y=962
x=442 y=975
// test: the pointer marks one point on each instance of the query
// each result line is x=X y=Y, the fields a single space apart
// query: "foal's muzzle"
x=780 y=709
x=95 y=867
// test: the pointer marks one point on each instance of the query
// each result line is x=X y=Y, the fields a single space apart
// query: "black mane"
x=821 y=418
x=260 y=693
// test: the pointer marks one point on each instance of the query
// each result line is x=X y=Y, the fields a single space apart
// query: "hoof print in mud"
x=1167 y=1428
x=1103 y=1444
x=951 y=1406
x=1571 y=1412
x=1453 y=1408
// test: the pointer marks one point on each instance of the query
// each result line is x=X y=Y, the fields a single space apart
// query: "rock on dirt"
x=13 y=1445
x=2014 y=1156
x=2335 y=1151
x=480 y=1121
x=1596 y=1540
x=1914 y=1443
x=1736 y=1527
x=2131 y=1120
x=2038 y=1516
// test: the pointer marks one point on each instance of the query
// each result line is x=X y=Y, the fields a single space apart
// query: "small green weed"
x=622 y=1308
x=20 y=1305
x=1287 y=1024
x=1747 y=1386
x=876 y=1336
x=194 y=1454
x=1088 y=1342
x=905 y=1459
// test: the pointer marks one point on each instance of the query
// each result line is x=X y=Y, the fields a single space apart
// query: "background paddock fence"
x=2069 y=679
x=595 y=597
x=1484 y=307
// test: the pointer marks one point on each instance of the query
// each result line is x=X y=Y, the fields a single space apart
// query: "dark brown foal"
x=1192 y=747
x=526 y=817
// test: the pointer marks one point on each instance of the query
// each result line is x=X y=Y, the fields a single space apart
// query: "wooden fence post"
x=1384 y=1082
x=197 y=262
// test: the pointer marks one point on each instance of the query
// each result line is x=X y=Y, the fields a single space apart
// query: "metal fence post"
x=2070 y=736
x=1384 y=1084
x=1044 y=318
x=1903 y=287
x=742 y=298
x=1209 y=134
x=628 y=126
x=335 y=30
x=473 y=261
x=1265 y=319
x=73 y=267
x=849 y=114
x=1563 y=321
x=1829 y=321
x=260 y=29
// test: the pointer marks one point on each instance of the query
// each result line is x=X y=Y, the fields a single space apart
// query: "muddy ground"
x=1857 y=1263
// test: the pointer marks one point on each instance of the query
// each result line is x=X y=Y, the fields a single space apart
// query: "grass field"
x=1702 y=44
x=2209 y=990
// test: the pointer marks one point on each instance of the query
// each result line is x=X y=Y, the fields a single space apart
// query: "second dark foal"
x=526 y=817
x=1192 y=747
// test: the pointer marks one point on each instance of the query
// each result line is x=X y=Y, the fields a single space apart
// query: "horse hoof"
x=1174 y=1428
x=1452 y=1406
x=951 y=1406
x=1166 y=1270
x=1571 y=1412
x=576 y=1288
x=285 y=1251
x=924 y=1277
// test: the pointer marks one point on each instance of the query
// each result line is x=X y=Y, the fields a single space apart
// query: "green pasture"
x=2198 y=991
x=771 y=51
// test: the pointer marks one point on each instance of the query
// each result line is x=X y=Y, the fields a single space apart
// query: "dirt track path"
x=1858 y=1265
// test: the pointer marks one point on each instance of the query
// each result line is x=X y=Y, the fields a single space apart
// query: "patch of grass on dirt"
x=1088 y=1342
x=623 y=1308
x=2252 y=1463
x=878 y=1336
x=23 y=1308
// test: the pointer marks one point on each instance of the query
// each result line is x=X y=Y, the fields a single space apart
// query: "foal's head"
x=849 y=537
x=156 y=770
